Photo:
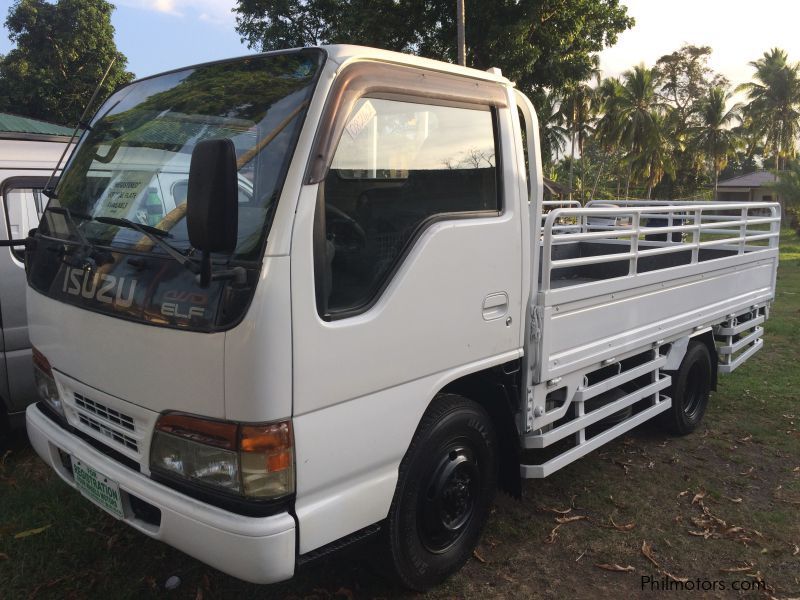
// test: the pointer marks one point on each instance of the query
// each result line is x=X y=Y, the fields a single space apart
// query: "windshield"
x=133 y=163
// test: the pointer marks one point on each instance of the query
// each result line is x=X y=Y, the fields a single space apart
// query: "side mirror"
x=212 y=201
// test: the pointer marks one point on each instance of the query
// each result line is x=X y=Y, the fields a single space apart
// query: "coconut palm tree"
x=638 y=106
x=608 y=125
x=552 y=133
x=715 y=136
x=577 y=108
x=774 y=104
x=655 y=154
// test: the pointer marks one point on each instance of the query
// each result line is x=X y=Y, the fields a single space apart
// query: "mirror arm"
x=207 y=274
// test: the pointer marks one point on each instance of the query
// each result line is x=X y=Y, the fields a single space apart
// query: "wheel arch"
x=495 y=389
x=707 y=338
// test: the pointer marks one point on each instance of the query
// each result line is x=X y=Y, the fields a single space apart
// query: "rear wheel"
x=690 y=391
x=444 y=491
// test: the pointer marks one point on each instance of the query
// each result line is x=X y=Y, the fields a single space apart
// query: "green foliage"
x=773 y=110
x=537 y=43
x=788 y=185
x=61 y=53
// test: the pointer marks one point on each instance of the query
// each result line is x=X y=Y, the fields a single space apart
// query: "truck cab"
x=283 y=302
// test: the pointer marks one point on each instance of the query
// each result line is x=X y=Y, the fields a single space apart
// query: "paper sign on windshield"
x=361 y=119
x=121 y=194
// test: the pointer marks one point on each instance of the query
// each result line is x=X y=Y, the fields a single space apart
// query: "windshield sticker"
x=361 y=119
x=122 y=193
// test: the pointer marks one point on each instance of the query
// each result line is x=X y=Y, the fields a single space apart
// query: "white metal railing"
x=563 y=225
x=730 y=226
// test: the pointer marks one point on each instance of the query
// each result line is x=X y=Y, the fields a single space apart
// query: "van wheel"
x=690 y=390
x=5 y=425
x=445 y=488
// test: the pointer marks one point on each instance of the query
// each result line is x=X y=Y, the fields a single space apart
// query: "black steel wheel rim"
x=447 y=497
x=694 y=390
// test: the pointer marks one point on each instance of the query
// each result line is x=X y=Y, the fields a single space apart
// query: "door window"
x=398 y=167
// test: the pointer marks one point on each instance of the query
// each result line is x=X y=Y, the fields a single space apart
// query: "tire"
x=690 y=390
x=5 y=425
x=445 y=488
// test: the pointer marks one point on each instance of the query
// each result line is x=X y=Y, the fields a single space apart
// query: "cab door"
x=23 y=203
x=406 y=273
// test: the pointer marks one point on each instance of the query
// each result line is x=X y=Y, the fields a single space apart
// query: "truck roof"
x=342 y=53
x=345 y=53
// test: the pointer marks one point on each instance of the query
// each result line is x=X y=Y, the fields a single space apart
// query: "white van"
x=26 y=162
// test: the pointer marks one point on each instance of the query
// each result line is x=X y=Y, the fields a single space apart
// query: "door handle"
x=495 y=306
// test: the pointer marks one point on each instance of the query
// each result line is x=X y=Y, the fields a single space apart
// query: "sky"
x=157 y=35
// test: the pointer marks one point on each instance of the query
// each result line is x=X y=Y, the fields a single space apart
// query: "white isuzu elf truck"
x=282 y=302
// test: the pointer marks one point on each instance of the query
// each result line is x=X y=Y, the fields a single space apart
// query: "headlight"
x=45 y=382
x=256 y=461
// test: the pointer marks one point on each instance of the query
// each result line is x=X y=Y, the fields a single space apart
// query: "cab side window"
x=24 y=204
x=398 y=167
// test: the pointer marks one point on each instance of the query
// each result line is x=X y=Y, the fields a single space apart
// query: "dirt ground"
x=715 y=514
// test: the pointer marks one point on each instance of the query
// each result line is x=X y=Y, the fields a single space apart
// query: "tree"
x=774 y=104
x=654 y=156
x=684 y=80
x=552 y=133
x=577 y=108
x=788 y=184
x=638 y=106
x=714 y=136
x=61 y=53
x=538 y=43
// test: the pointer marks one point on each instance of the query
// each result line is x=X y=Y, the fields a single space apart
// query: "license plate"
x=98 y=488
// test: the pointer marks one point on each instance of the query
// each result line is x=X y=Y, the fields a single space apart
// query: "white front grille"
x=106 y=431
x=104 y=413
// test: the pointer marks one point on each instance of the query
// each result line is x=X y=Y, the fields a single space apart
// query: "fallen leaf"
x=748 y=472
x=745 y=439
x=699 y=496
x=555 y=510
x=580 y=556
x=626 y=527
x=30 y=532
x=734 y=500
x=737 y=569
x=703 y=534
x=477 y=555
x=796 y=550
x=552 y=537
x=648 y=554
x=796 y=470
x=565 y=520
x=683 y=493
x=675 y=578
x=615 y=567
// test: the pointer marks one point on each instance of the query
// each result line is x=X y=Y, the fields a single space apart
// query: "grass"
x=726 y=497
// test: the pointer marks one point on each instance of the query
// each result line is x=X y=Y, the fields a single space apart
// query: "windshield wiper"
x=155 y=235
x=81 y=261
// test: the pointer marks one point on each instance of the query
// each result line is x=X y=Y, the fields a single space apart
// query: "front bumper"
x=259 y=550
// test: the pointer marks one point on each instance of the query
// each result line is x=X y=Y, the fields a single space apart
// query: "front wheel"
x=690 y=391
x=444 y=491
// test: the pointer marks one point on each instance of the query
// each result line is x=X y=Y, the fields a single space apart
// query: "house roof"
x=749 y=180
x=15 y=124
x=555 y=187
